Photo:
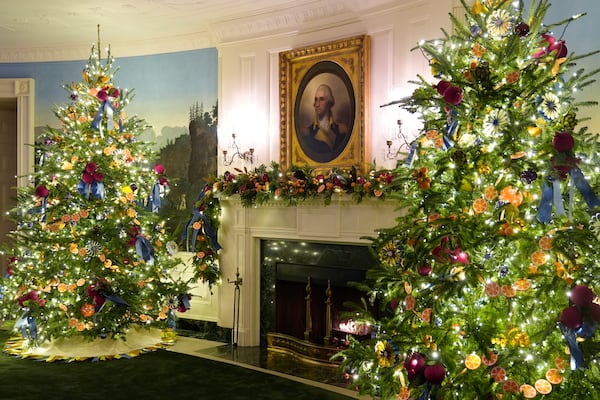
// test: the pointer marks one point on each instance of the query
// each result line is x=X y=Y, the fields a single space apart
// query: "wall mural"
x=175 y=93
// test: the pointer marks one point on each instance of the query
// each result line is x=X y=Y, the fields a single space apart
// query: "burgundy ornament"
x=424 y=270
x=42 y=191
x=159 y=169
x=415 y=363
x=442 y=86
x=594 y=312
x=563 y=142
x=87 y=178
x=453 y=95
x=91 y=167
x=559 y=47
x=582 y=295
x=102 y=95
x=435 y=373
x=571 y=317
x=522 y=29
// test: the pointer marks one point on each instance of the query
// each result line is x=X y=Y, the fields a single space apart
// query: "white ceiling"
x=65 y=29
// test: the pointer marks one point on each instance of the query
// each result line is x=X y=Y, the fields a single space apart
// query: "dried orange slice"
x=561 y=363
x=480 y=206
x=490 y=359
x=508 y=291
x=426 y=315
x=473 y=361
x=539 y=258
x=404 y=393
x=522 y=284
x=553 y=376
x=498 y=373
x=528 y=391
x=492 y=289
x=543 y=386
x=409 y=302
x=490 y=193
x=545 y=243
x=510 y=386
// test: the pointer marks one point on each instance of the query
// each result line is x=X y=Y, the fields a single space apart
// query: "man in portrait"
x=325 y=138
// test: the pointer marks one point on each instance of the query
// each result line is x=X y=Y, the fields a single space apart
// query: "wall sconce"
x=393 y=152
x=247 y=155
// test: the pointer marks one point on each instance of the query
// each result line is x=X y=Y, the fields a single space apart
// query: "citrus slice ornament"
x=473 y=361
x=543 y=386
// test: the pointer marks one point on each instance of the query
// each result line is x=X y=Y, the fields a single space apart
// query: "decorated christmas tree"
x=487 y=286
x=91 y=257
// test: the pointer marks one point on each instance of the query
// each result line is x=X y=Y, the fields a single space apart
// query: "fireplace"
x=305 y=287
x=334 y=235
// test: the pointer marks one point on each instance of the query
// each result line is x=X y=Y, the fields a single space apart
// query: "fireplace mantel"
x=343 y=221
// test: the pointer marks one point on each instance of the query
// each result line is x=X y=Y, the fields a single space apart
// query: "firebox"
x=306 y=287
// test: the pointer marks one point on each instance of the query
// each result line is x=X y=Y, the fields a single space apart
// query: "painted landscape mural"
x=175 y=93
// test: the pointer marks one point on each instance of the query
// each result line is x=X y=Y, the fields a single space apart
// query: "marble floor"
x=267 y=361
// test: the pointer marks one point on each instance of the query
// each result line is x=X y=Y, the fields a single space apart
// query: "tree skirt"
x=138 y=341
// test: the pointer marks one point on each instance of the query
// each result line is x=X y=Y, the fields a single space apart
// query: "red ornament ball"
x=435 y=373
x=594 y=312
x=424 y=270
x=571 y=317
x=582 y=295
x=563 y=141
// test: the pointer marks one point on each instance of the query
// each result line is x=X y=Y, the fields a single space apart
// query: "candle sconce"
x=393 y=151
x=247 y=155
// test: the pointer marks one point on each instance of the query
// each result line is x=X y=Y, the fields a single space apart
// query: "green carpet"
x=160 y=374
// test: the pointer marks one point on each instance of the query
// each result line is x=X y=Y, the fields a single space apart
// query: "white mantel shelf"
x=343 y=222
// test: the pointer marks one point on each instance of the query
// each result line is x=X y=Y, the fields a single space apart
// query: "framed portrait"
x=322 y=104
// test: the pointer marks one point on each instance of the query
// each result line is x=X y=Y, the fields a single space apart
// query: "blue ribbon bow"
x=551 y=194
x=144 y=249
x=206 y=224
x=26 y=323
x=96 y=189
x=105 y=106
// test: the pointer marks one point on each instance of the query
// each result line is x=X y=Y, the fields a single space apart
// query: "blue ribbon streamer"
x=26 y=323
x=587 y=329
x=144 y=249
x=557 y=197
x=551 y=194
x=411 y=154
x=154 y=201
x=105 y=106
x=584 y=188
x=171 y=319
x=425 y=394
x=545 y=208
x=571 y=339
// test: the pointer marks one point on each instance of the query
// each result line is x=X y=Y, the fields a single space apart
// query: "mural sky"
x=165 y=86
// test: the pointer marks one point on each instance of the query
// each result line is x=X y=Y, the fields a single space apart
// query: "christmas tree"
x=486 y=287
x=91 y=257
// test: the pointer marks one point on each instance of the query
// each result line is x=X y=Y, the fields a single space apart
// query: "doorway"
x=16 y=145
x=8 y=168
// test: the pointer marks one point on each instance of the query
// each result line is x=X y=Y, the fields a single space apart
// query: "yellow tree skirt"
x=139 y=340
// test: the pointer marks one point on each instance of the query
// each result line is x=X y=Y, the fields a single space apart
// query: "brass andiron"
x=327 y=338
x=308 y=316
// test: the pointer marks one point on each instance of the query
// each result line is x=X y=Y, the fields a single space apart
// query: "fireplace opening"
x=304 y=288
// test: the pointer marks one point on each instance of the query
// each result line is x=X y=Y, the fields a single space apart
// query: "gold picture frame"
x=314 y=79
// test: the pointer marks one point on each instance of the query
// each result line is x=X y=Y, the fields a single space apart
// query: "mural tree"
x=91 y=256
x=487 y=284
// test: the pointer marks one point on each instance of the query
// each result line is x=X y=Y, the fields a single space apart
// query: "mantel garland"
x=269 y=183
